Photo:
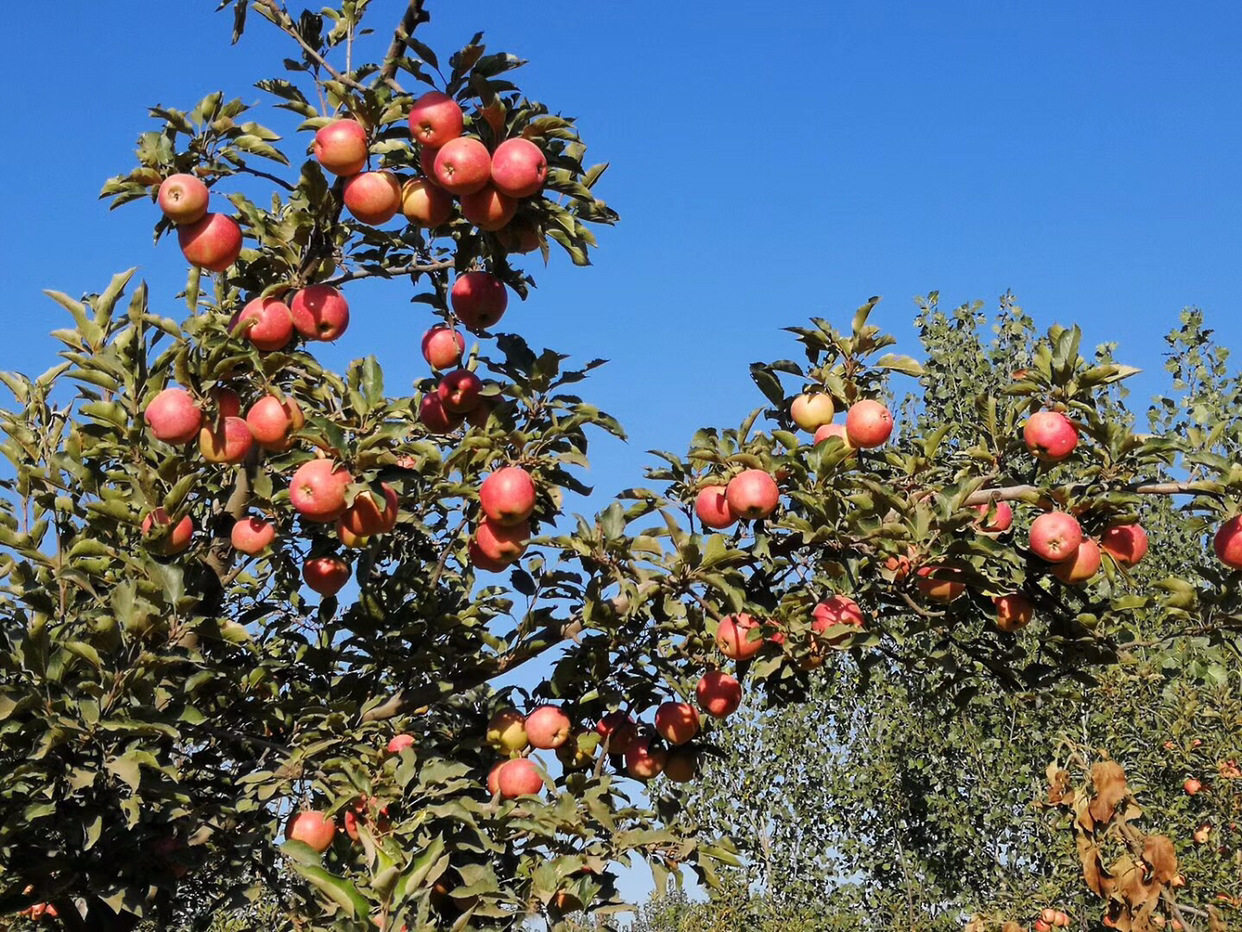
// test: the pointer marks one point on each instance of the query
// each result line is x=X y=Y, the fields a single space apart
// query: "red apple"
x=183 y=198
x=1055 y=536
x=1228 y=543
x=868 y=424
x=718 y=694
x=212 y=242
x=348 y=538
x=479 y=415
x=752 y=494
x=341 y=147
x=317 y=491
x=178 y=538
x=617 y=730
x=677 y=722
x=369 y=515
x=1041 y=926
x=373 y=197
x=682 y=765
x=488 y=209
x=173 y=416
x=273 y=323
x=1013 y=611
x=434 y=417
x=325 y=575
x=939 y=583
x=227 y=441
x=1192 y=786
x=519 y=236
x=274 y=422
x=459 y=391
x=1002 y=518
x=834 y=611
x=519 y=168
x=320 y=312
x=435 y=118
x=443 y=347
x=493 y=776
x=644 y=762
x=824 y=431
x=1125 y=543
x=501 y=542
x=226 y=402
x=463 y=165
x=252 y=536
x=427 y=162
x=548 y=727
x=399 y=743
x=812 y=411
x=479 y=299
x=519 y=777
x=1050 y=436
x=361 y=812
x=425 y=203
x=481 y=561
x=712 y=507
x=312 y=827
x=1081 y=566
x=733 y=637
x=507 y=496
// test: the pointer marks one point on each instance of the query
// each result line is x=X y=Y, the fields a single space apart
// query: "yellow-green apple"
x=682 y=765
x=312 y=828
x=548 y=727
x=371 y=513
x=252 y=535
x=507 y=496
x=572 y=755
x=435 y=118
x=425 y=204
x=868 y=424
x=319 y=312
x=752 y=494
x=481 y=561
x=488 y=209
x=463 y=165
x=443 y=347
x=373 y=197
x=1202 y=834
x=459 y=391
x=1013 y=611
x=834 y=611
x=811 y=411
x=479 y=299
x=712 y=507
x=176 y=540
x=274 y=422
x=1192 y=786
x=507 y=731
x=1050 y=435
x=227 y=441
x=1228 y=543
x=317 y=491
x=273 y=323
x=519 y=777
x=502 y=542
x=1001 y=519
x=173 y=416
x=617 y=730
x=643 y=761
x=212 y=242
x=939 y=583
x=1055 y=536
x=519 y=236
x=434 y=417
x=183 y=198
x=1081 y=566
x=677 y=722
x=341 y=147
x=1125 y=543
x=733 y=637
x=825 y=431
x=519 y=168
x=718 y=694
x=398 y=743
x=325 y=575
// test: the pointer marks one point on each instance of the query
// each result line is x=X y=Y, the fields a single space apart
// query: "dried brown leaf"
x=1109 y=781
x=1161 y=858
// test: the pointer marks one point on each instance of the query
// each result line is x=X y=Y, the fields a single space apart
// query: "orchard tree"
x=256 y=611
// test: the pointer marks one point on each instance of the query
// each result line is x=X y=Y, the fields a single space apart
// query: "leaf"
x=906 y=365
x=339 y=890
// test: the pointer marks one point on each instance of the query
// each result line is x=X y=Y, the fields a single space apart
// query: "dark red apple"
x=479 y=299
x=319 y=312
x=325 y=575
x=733 y=637
x=507 y=496
x=273 y=323
x=459 y=391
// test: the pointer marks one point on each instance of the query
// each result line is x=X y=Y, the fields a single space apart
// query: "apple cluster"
x=1050 y=919
x=208 y=240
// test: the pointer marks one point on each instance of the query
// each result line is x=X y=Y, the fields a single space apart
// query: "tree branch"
x=354 y=275
x=1010 y=493
x=282 y=20
x=414 y=16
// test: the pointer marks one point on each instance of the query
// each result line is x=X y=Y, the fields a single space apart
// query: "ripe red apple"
x=507 y=731
x=1081 y=565
x=399 y=743
x=479 y=415
x=1192 y=786
x=519 y=236
x=463 y=165
x=548 y=727
x=733 y=637
x=178 y=538
x=899 y=565
x=435 y=118
x=712 y=507
x=1055 y=536
x=479 y=299
x=212 y=242
x=939 y=583
x=1013 y=611
x=319 y=312
x=183 y=198
x=644 y=762
x=824 y=431
x=677 y=722
x=425 y=204
x=173 y=416
x=325 y=575
x=718 y=694
x=1002 y=518
x=493 y=776
x=1228 y=543
x=227 y=441
x=434 y=417
x=617 y=730
x=682 y=765
x=273 y=323
x=317 y=491
x=1041 y=926
x=812 y=411
x=481 y=561
x=373 y=197
x=752 y=494
x=443 y=347
x=519 y=167
x=341 y=147
x=833 y=611
x=868 y=424
x=369 y=515
x=252 y=536
x=313 y=828
x=226 y=402
x=459 y=391
x=1125 y=543
x=1050 y=436
x=427 y=162
x=274 y=422
x=500 y=542
x=361 y=812
x=507 y=496
x=488 y=209
x=517 y=778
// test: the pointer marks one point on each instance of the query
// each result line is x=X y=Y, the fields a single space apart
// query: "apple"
x=1192 y=786
x=317 y=491
x=481 y=561
x=517 y=778
x=1050 y=435
x=617 y=730
x=1055 y=536
x=507 y=496
x=824 y=431
x=501 y=542
x=519 y=236
x=459 y=391
x=348 y=538
x=1125 y=543
x=178 y=538
x=183 y=198
x=712 y=507
x=373 y=197
x=488 y=209
x=341 y=147
x=398 y=743
x=1081 y=566
x=900 y=565
x=642 y=761
x=733 y=637
x=226 y=401
x=1013 y=611
x=479 y=299
x=682 y=765
x=833 y=611
x=228 y=441
x=443 y=347
x=273 y=422
x=273 y=323
x=718 y=694
x=369 y=515
x=547 y=728
x=752 y=494
x=173 y=416
x=1002 y=518
x=1228 y=543
x=434 y=417
x=1041 y=926
x=507 y=731
x=519 y=168
x=435 y=118
x=939 y=583
x=425 y=204
x=479 y=415
x=572 y=755
x=212 y=242
x=427 y=162
x=313 y=828
x=868 y=424
x=677 y=722
x=252 y=536
x=1202 y=834
x=463 y=165
x=493 y=776
x=325 y=575
x=319 y=312
x=812 y=411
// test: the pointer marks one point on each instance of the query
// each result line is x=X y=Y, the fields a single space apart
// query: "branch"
x=1010 y=493
x=262 y=174
x=282 y=20
x=440 y=266
x=414 y=16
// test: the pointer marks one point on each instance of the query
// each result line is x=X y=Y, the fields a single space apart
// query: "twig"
x=414 y=16
x=283 y=21
x=1011 y=493
x=262 y=174
x=354 y=275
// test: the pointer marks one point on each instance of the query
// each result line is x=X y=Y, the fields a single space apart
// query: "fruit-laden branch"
x=280 y=18
x=414 y=16
x=356 y=274
x=1011 y=493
